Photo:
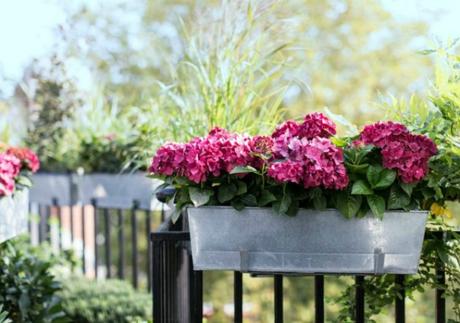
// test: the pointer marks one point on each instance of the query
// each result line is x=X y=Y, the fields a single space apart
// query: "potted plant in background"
x=302 y=200
x=16 y=168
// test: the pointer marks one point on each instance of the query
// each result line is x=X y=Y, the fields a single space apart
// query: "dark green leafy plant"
x=439 y=118
x=4 y=316
x=28 y=289
x=89 y=301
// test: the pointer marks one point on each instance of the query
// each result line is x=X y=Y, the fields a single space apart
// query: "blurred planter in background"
x=118 y=190
x=14 y=214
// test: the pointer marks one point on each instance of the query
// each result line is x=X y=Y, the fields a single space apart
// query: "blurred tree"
x=344 y=53
x=49 y=97
x=355 y=50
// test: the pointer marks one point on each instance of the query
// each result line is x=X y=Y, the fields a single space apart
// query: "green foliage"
x=439 y=118
x=28 y=289
x=4 y=316
x=89 y=301
x=381 y=291
x=102 y=137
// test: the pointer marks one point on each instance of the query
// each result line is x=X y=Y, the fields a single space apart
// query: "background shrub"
x=85 y=300
x=27 y=288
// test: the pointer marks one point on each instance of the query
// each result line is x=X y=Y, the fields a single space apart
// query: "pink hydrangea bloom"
x=317 y=125
x=287 y=171
x=168 y=159
x=322 y=163
x=10 y=167
x=405 y=152
x=218 y=152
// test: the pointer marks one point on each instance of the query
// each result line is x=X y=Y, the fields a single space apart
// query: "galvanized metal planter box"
x=14 y=212
x=257 y=240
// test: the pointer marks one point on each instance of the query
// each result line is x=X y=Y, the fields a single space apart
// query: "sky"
x=26 y=26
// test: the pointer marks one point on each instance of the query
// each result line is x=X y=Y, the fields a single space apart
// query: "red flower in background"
x=27 y=157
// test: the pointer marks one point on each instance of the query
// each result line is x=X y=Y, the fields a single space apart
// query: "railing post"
x=278 y=282
x=238 y=296
x=319 y=299
x=83 y=239
x=359 y=299
x=400 y=306
x=94 y=204
x=134 y=243
x=441 y=281
x=121 y=246
x=107 y=242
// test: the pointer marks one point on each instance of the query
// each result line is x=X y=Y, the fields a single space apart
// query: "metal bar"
x=108 y=249
x=134 y=243
x=42 y=224
x=121 y=246
x=83 y=239
x=71 y=225
x=157 y=278
x=94 y=203
x=278 y=286
x=197 y=296
x=47 y=224
x=55 y=203
x=238 y=296
x=319 y=299
x=359 y=299
x=440 y=298
x=400 y=306
x=149 y=249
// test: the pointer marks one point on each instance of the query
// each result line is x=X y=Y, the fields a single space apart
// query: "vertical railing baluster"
x=238 y=296
x=108 y=250
x=148 y=223
x=83 y=238
x=278 y=286
x=359 y=299
x=94 y=203
x=121 y=245
x=134 y=243
x=156 y=283
x=197 y=296
x=319 y=299
x=47 y=223
x=440 y=297
x=41 y=224
x=57 y=208
x=71 y=226
x=400 y=305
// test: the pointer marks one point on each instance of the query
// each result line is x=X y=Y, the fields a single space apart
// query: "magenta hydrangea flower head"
x=317 y=125
x=200 y=158
x=168 y=159
x=401 y=150
x=287 y=171
x=10 y=166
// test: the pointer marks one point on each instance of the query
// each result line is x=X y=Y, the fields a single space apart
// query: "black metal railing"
x=111 y=239
x=178 y=289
